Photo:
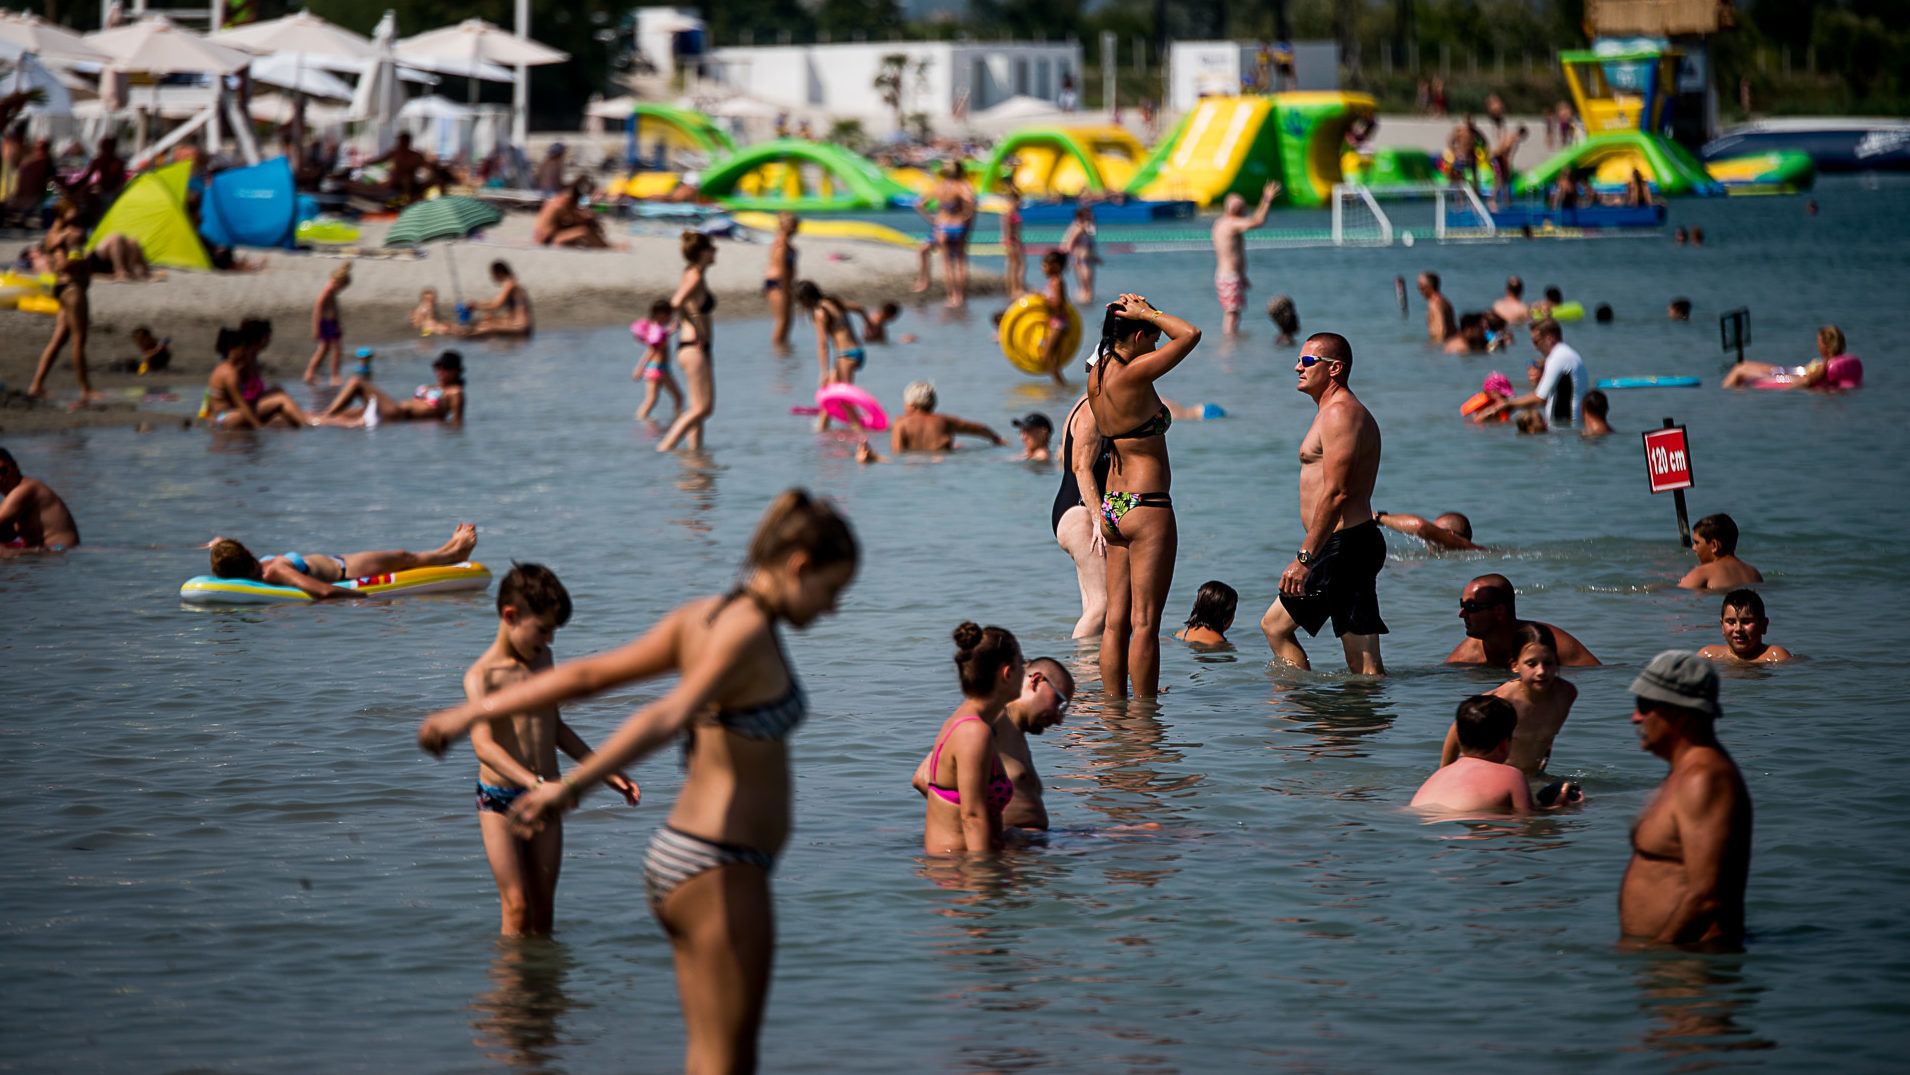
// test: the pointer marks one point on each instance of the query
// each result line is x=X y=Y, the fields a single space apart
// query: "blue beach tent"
x=252 y=206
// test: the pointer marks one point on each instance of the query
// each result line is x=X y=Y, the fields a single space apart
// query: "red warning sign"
x=1667 y=459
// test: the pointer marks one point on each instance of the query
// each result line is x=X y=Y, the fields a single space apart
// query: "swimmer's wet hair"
x=1535 y=634
x=231 y=560
x=798 y=522
x=534 y=588
x=1214 y=605
x=1832 y=337
x=1596 y=403
x=1514 y=286
x=1484 y=721
x=1682 y=307
x=920 y=395
x=1283 y=314
x=1432 y=278
x=1554 y=296
x=1745 y=599
x=1720 y=528
x=807 y=292
x=500 y=267
x=1547 y=327
x=696 y=244
x=452 y=361
x=980 y=655
x=1457 y=523
x=1054 y=261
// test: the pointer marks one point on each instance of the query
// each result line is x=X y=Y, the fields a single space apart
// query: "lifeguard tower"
x=1622 y=91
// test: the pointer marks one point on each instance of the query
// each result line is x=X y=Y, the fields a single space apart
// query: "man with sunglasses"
x=1489 y=609
x=1333 y=574
x=1043 y=703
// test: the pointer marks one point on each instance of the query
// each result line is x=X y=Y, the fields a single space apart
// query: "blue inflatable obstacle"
x=1650 y=382
x=254 y=206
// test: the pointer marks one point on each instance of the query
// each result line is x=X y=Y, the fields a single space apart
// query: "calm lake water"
x=224 y=853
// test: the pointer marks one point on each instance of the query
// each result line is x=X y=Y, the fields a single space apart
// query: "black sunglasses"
x=1470 y=606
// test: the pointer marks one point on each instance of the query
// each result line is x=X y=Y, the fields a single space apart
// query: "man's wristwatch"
x=1305 y=558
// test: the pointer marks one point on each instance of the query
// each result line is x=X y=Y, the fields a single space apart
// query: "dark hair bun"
x=967 y=636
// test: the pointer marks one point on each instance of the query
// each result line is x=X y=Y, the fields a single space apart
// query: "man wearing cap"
x=1036 y=432
x=1490 y=611
x=1691 y=849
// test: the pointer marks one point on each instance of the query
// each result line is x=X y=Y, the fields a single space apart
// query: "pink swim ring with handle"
x=852 y=406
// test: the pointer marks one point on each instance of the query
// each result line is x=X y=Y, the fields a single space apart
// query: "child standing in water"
x=1538 y=696
x=654 y=368
x=520 y=753
x=1054 y=264
x=326 y=327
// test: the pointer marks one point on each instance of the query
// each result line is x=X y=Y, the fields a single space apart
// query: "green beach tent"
x=152 y=210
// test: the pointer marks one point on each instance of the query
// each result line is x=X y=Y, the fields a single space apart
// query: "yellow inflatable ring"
x=1024 y=328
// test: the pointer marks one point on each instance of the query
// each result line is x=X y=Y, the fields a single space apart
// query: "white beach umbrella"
x=157 y=46
x=378 y=97
x=462 y=68
x=476 y=41
x=303 y=34
x=47 y=40
x=287 y=71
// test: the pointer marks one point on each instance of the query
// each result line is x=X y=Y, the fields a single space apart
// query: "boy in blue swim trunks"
x=521 y=753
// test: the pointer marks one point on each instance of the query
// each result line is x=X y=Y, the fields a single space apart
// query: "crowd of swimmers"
x=736 y=699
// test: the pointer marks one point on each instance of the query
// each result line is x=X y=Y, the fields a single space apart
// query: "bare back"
x=1230 y=244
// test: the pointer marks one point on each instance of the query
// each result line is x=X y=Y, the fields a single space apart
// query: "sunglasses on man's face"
x=1061 y=700
x=1309 y=361
x=1470 y=606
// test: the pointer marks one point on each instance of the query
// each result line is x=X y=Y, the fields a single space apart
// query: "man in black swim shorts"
x=1333 y=574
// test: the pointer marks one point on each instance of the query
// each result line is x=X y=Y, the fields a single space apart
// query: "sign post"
x=1734 y=330
x=1668 y=468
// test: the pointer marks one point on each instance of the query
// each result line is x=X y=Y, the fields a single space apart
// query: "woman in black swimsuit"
x=1136 y=512
x=1076 y=526
x=694 y=303
x=736 y=702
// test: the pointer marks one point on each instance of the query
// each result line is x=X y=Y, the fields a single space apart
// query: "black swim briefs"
x=1340 y=584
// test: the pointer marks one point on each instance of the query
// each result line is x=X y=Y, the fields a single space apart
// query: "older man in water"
x=1230 y=253
x=1691 y=848
x=1339 y=560
x=1489 y=609
x=33 y=518
x=1045 y=693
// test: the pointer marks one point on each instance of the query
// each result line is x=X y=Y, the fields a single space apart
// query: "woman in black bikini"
x=734 y=705
x=1137 y=514
x=694 y=304
x=1076 y=517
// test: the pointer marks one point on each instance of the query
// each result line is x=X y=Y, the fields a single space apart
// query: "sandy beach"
x=569 y=288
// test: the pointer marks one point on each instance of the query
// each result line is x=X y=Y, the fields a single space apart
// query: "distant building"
x=1197 y=69
x=956 y=78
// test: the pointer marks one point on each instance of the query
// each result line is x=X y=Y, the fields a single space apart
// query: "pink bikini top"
x=1001 y=790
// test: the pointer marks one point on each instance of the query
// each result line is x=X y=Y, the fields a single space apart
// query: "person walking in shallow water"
x=1332 y=575
x=693 y=304
x=734 y=706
